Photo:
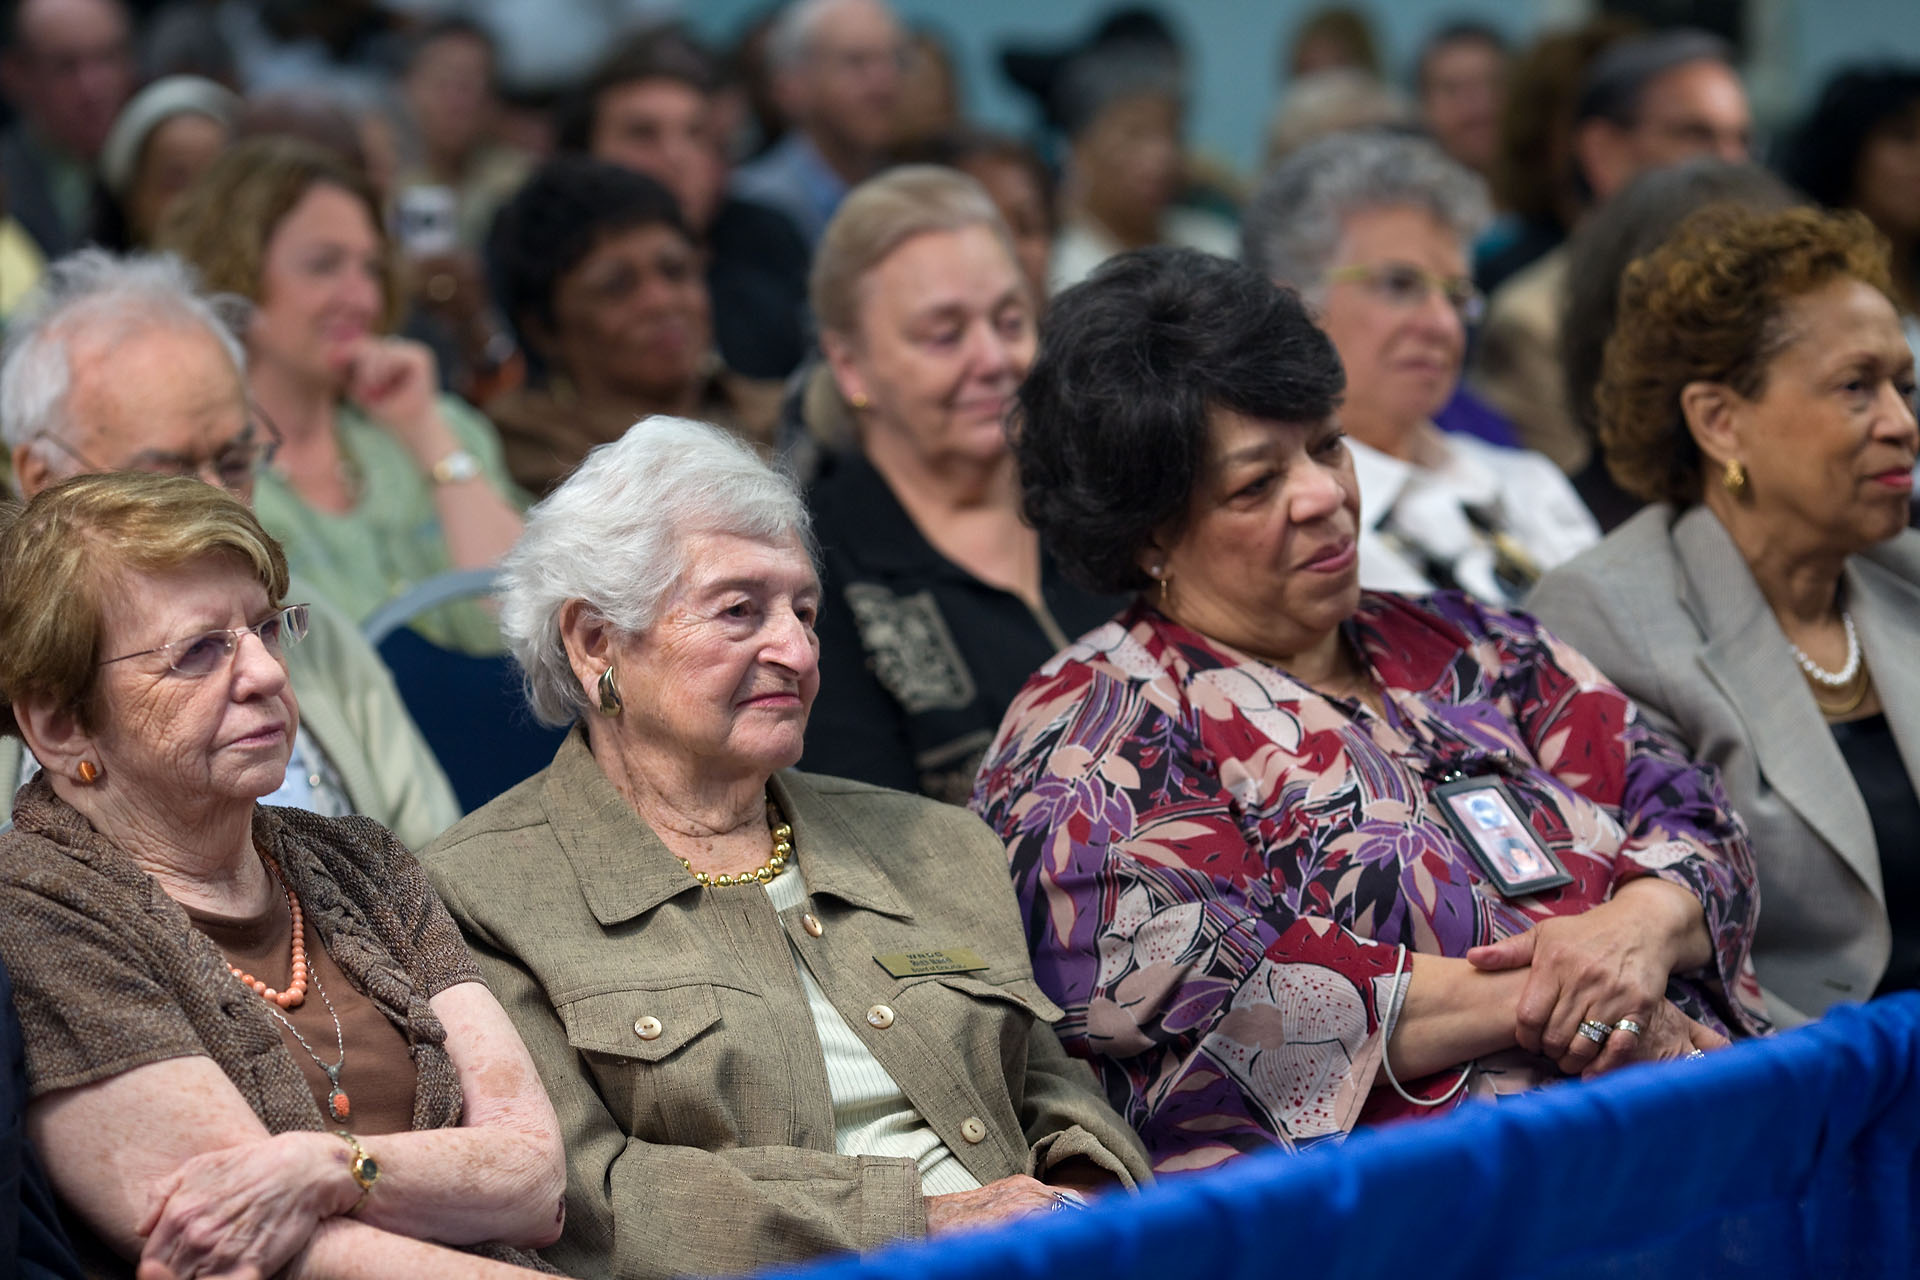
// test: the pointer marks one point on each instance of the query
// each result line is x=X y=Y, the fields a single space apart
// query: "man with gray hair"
x=837 y=73
x=1372 y=228
x=121 y=364
x=1647 y=103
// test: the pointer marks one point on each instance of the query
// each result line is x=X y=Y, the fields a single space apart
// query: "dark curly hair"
x=1823 y=158
x=569 y=206
x=1111 y=427
x=1709 y=306
x=662 y=53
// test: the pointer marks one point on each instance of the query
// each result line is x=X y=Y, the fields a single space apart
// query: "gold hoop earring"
x=610 y=703
x=1734 y=478
x=87 y=772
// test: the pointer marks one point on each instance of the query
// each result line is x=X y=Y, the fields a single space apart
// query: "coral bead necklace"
x=296 y=993
x=339 y=1106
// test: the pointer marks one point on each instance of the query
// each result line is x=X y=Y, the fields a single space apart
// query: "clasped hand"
x=1607 y=965
x=243 y=1212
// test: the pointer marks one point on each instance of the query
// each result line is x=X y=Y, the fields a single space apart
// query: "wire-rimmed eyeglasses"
x=1401 y=284
x=231 y=468
x=203 y=654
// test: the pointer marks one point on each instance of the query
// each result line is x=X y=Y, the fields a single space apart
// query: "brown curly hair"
x=222 y=223
x=1709 y=306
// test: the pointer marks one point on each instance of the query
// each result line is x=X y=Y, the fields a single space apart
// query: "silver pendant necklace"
x=338 y=1105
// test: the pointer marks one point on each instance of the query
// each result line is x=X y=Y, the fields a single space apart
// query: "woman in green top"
x=379 y=482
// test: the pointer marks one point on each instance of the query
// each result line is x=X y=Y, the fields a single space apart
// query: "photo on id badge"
x=1487 y=821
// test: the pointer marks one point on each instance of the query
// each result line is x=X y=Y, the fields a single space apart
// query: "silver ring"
x=1693 y=1053
x=1594 y=1031
x=1067 y=1200
x=1628 y=1025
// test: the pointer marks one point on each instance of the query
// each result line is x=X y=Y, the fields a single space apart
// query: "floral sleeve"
x=1221 y=1017
x=1677 y=820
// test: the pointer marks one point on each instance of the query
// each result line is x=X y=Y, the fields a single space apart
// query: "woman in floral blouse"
x=1221 y=807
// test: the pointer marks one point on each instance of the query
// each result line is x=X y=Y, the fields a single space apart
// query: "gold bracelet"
x=363 y=1168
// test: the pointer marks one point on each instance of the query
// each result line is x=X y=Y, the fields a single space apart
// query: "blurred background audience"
x=1860 y=149
x=380 y=481
x=1373 y=230
x=1460 y=82
x=652 y=107
x=66 y=71
x=603 y=281
x=1646 y=102
x=837 y=71
x=168 y=134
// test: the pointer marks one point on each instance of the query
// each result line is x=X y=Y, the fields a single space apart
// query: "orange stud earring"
x=88 y=772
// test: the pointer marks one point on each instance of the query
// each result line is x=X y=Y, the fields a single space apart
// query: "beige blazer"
x=1668 y=609
x=674 y=1037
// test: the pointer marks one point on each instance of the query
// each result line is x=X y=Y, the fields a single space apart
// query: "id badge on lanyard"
x=1484 y=815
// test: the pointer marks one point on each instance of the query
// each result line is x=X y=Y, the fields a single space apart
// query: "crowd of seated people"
x=1068 y=665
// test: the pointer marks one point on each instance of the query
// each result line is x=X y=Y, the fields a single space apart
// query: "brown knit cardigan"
x=109 y=974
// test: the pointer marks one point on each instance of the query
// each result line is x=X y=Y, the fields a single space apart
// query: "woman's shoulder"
x=1626 y=592
x=863 y=805
x=493 y=833
x=35 y=868
x=1620 y=562
x=921 y=841
x=358 y=855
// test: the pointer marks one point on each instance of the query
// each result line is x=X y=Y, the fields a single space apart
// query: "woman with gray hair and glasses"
x=1373 y=230
x=778 y=1014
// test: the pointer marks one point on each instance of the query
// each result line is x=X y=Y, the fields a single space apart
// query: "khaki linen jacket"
x=671 y=1029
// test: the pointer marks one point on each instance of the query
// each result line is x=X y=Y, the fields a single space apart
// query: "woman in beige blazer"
x=778 y=1014
x=1757 y=388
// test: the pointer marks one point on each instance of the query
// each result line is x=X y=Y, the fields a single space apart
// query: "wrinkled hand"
x=1606 y=964
x=243 y=1212
x=397 y=382
x=997 y=1202
x=1669 y=1034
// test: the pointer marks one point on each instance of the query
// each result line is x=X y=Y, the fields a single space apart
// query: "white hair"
x=1291 y=228
x=94 y=296
x=791 y=38
x=614 y=536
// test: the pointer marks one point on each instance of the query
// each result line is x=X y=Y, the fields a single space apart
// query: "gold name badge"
x=915 y=964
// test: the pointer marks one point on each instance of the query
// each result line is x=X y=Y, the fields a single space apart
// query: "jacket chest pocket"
x=988 y=1022
x=672 y=1062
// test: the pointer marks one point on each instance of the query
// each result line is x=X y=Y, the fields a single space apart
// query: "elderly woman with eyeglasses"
x=779 y=1014
x=1373 y=230
x=254 y=1039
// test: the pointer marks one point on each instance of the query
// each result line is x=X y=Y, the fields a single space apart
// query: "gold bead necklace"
x=782 y=833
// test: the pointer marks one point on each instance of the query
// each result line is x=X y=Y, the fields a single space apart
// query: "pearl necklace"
x=1833 y=679
x=782 y=834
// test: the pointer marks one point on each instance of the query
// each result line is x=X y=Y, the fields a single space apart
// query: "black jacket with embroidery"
x=918 y=658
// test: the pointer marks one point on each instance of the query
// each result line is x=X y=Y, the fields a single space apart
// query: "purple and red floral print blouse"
x=1217 y=864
